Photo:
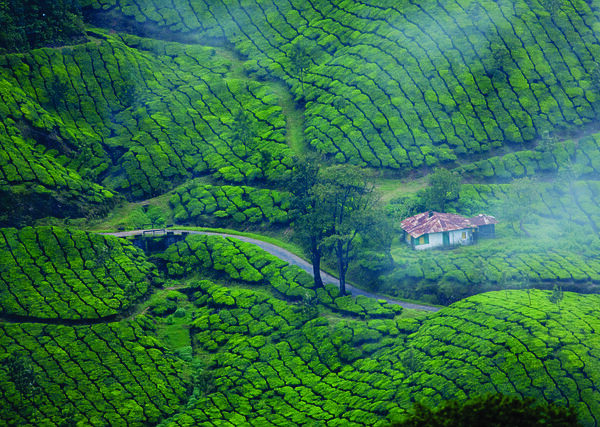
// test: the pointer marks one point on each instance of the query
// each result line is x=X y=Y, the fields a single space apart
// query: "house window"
x=464 y=235
x=423 y=240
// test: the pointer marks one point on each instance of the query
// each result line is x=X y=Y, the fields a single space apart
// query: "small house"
x=486 y=225
x=434 y=229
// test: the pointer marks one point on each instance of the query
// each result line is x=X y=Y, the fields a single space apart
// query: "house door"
x=446 y=238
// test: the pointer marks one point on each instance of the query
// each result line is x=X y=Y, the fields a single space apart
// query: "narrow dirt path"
x=287 y=256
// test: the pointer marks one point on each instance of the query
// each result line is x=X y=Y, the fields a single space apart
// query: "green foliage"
x=107 y=373
x=494 y=343
x=29 y=24
x=196 y=203
x=444 y=187
x=407 y=87
x=139 y=115
x=234 y=259
x=53 y=273
x=266 y=356
x=491 y=410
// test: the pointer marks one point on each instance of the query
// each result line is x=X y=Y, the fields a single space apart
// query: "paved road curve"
x=282 y=254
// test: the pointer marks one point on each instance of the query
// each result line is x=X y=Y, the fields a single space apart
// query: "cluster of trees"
x=337 y=210
x=29 y=24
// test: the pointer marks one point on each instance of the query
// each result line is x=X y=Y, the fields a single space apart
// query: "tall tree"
x=351 y=212
x=516 y=205
x=308 y=223
x=444 y=187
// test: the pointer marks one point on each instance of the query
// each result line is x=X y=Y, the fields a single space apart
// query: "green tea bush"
x=410 y=86
x=53 y=273
x=267 y=357
x=246 y=262
x=197 y=203
x=141 y=116
x=511 y=343
x=114 y=373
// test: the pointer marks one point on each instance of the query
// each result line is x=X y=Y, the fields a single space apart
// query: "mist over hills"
x=137 y=114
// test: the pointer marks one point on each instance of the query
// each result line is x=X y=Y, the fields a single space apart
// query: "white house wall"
x=436 y=240
x=456 y=237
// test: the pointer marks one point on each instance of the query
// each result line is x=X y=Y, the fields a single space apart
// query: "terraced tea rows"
x=247 y=263
x=413 y=84
x=141 y=115
x=580 y=158
x=196 y=203
x=52 y=273
x=108 y=374
x=28 y=178
x=271 y=367
x=449 y=276
x=501 y=342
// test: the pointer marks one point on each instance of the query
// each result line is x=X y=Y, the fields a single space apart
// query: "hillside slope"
x=251 y=346
x=401 y=85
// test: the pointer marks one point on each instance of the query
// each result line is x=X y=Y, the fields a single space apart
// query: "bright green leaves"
x=52 y=273
x=197 y=203
x=110 y=373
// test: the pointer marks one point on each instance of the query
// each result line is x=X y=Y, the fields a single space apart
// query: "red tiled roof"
x=483 y=219
x=434 y=222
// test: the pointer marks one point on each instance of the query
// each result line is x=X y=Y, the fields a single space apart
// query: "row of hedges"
x=197 y=203
x=28 y=178
x=53 y=273
x=143 y=115
x=578 y=158
x=448 y=276
x=507 y=343
x=247 y=263
x=411 y=85
x=272 y=367
x=107 y=374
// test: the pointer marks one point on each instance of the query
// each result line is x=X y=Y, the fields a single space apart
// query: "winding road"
x=281 y=253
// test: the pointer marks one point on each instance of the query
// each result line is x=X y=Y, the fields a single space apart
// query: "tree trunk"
x=316 y=261
x=341 y=268
x=523 y=229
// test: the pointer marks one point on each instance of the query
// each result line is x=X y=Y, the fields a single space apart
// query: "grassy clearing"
x=392 y=188
x=294 y=119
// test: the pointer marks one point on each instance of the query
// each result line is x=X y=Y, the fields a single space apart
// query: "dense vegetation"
x=205 y=113
x=52 y=273
x=27 y=24
x=410 y=84
x=196 y=203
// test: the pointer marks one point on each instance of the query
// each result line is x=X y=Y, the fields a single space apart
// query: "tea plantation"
x=400 y=85
x=129 y=114
x=253 y=356
x=52 y=273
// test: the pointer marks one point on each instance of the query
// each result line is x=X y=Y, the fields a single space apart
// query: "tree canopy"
x=444 y=187
x=29 y=24
x=337 y=210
